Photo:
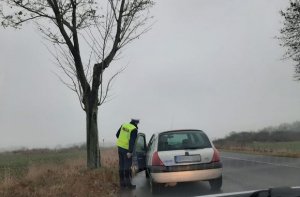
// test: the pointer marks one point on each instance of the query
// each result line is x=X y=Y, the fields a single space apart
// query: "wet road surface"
x=241 y=172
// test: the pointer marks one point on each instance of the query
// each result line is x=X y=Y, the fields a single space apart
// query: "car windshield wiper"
x=280 y=191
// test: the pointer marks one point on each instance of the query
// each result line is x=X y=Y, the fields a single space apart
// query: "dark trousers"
x=124 y=167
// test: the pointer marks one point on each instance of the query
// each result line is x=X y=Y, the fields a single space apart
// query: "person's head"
x=134 y=121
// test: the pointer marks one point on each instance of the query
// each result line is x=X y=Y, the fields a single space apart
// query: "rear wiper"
x=278 y=192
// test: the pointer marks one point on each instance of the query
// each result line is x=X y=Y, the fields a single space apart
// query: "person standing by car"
x=126 y=135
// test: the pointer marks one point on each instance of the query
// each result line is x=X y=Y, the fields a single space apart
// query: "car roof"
x=177 y=130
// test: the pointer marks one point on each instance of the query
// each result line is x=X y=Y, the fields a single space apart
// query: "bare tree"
x=72 y=26
x=290 y=34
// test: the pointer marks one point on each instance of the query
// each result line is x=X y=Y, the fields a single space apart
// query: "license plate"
x=187 y=158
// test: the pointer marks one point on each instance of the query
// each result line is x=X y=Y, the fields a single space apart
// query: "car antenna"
x=172 y=122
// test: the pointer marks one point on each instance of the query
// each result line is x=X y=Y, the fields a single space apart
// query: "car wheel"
x=147 y=173
x=154 y=187
x=216 y=184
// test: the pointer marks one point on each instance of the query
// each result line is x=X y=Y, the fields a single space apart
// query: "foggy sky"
x=210 y=65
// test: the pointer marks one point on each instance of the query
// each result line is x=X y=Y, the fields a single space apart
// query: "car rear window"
x=178 y=140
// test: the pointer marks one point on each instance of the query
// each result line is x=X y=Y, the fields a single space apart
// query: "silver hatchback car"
x=178 y=156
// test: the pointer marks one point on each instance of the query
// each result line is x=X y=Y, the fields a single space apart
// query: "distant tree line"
x=283 y=133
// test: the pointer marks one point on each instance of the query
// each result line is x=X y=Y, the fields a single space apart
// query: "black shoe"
x=130 y=186
x=122 y=185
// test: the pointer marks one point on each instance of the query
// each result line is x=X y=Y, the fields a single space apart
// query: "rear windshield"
x=183 y=140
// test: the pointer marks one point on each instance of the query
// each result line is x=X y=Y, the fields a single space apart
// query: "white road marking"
x=262 y=162
x=236 y=193
x=229 y=194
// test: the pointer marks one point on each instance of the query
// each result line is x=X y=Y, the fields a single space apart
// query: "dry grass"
x=283 y=149
x=71 y=178
x=278 y=152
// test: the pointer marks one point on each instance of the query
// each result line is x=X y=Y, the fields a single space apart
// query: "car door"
x=139 y=153
x=150 y=149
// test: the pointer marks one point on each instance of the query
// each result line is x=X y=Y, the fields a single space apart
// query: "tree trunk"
x=92 y=142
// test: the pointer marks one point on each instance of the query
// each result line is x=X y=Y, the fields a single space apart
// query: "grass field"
x=286 y=149
x=57 y=173
x=17 y=163
x=278 y=146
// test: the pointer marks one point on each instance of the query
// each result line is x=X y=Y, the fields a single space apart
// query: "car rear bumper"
x=184 y=173
x=185 y=176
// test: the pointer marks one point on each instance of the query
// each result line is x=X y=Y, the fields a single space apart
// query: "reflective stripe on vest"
x=124 y=136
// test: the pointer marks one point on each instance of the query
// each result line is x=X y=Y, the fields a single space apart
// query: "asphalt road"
x=241 y=172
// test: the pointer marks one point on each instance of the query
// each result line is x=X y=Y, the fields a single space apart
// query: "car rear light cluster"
x=216 y=156
x=156 y=160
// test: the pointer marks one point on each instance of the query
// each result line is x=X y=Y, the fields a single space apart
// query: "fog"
x=210 y=65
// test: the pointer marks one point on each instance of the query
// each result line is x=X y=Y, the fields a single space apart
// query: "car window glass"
x=140 y=144
x=151 y=144
x=176 y=138
x=150 y=141
x=183 y=140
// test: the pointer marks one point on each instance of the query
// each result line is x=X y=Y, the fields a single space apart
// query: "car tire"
x=147 y=173
x=154 y=187
x=216 y=184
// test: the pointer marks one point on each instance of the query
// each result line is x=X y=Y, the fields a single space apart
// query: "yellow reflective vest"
x=124 y=136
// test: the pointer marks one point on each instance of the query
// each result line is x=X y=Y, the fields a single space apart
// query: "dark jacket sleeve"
x=133 y=136
x=118 y=132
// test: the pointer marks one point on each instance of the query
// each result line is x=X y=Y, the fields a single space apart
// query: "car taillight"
x=216 y=157
x=156 y=160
